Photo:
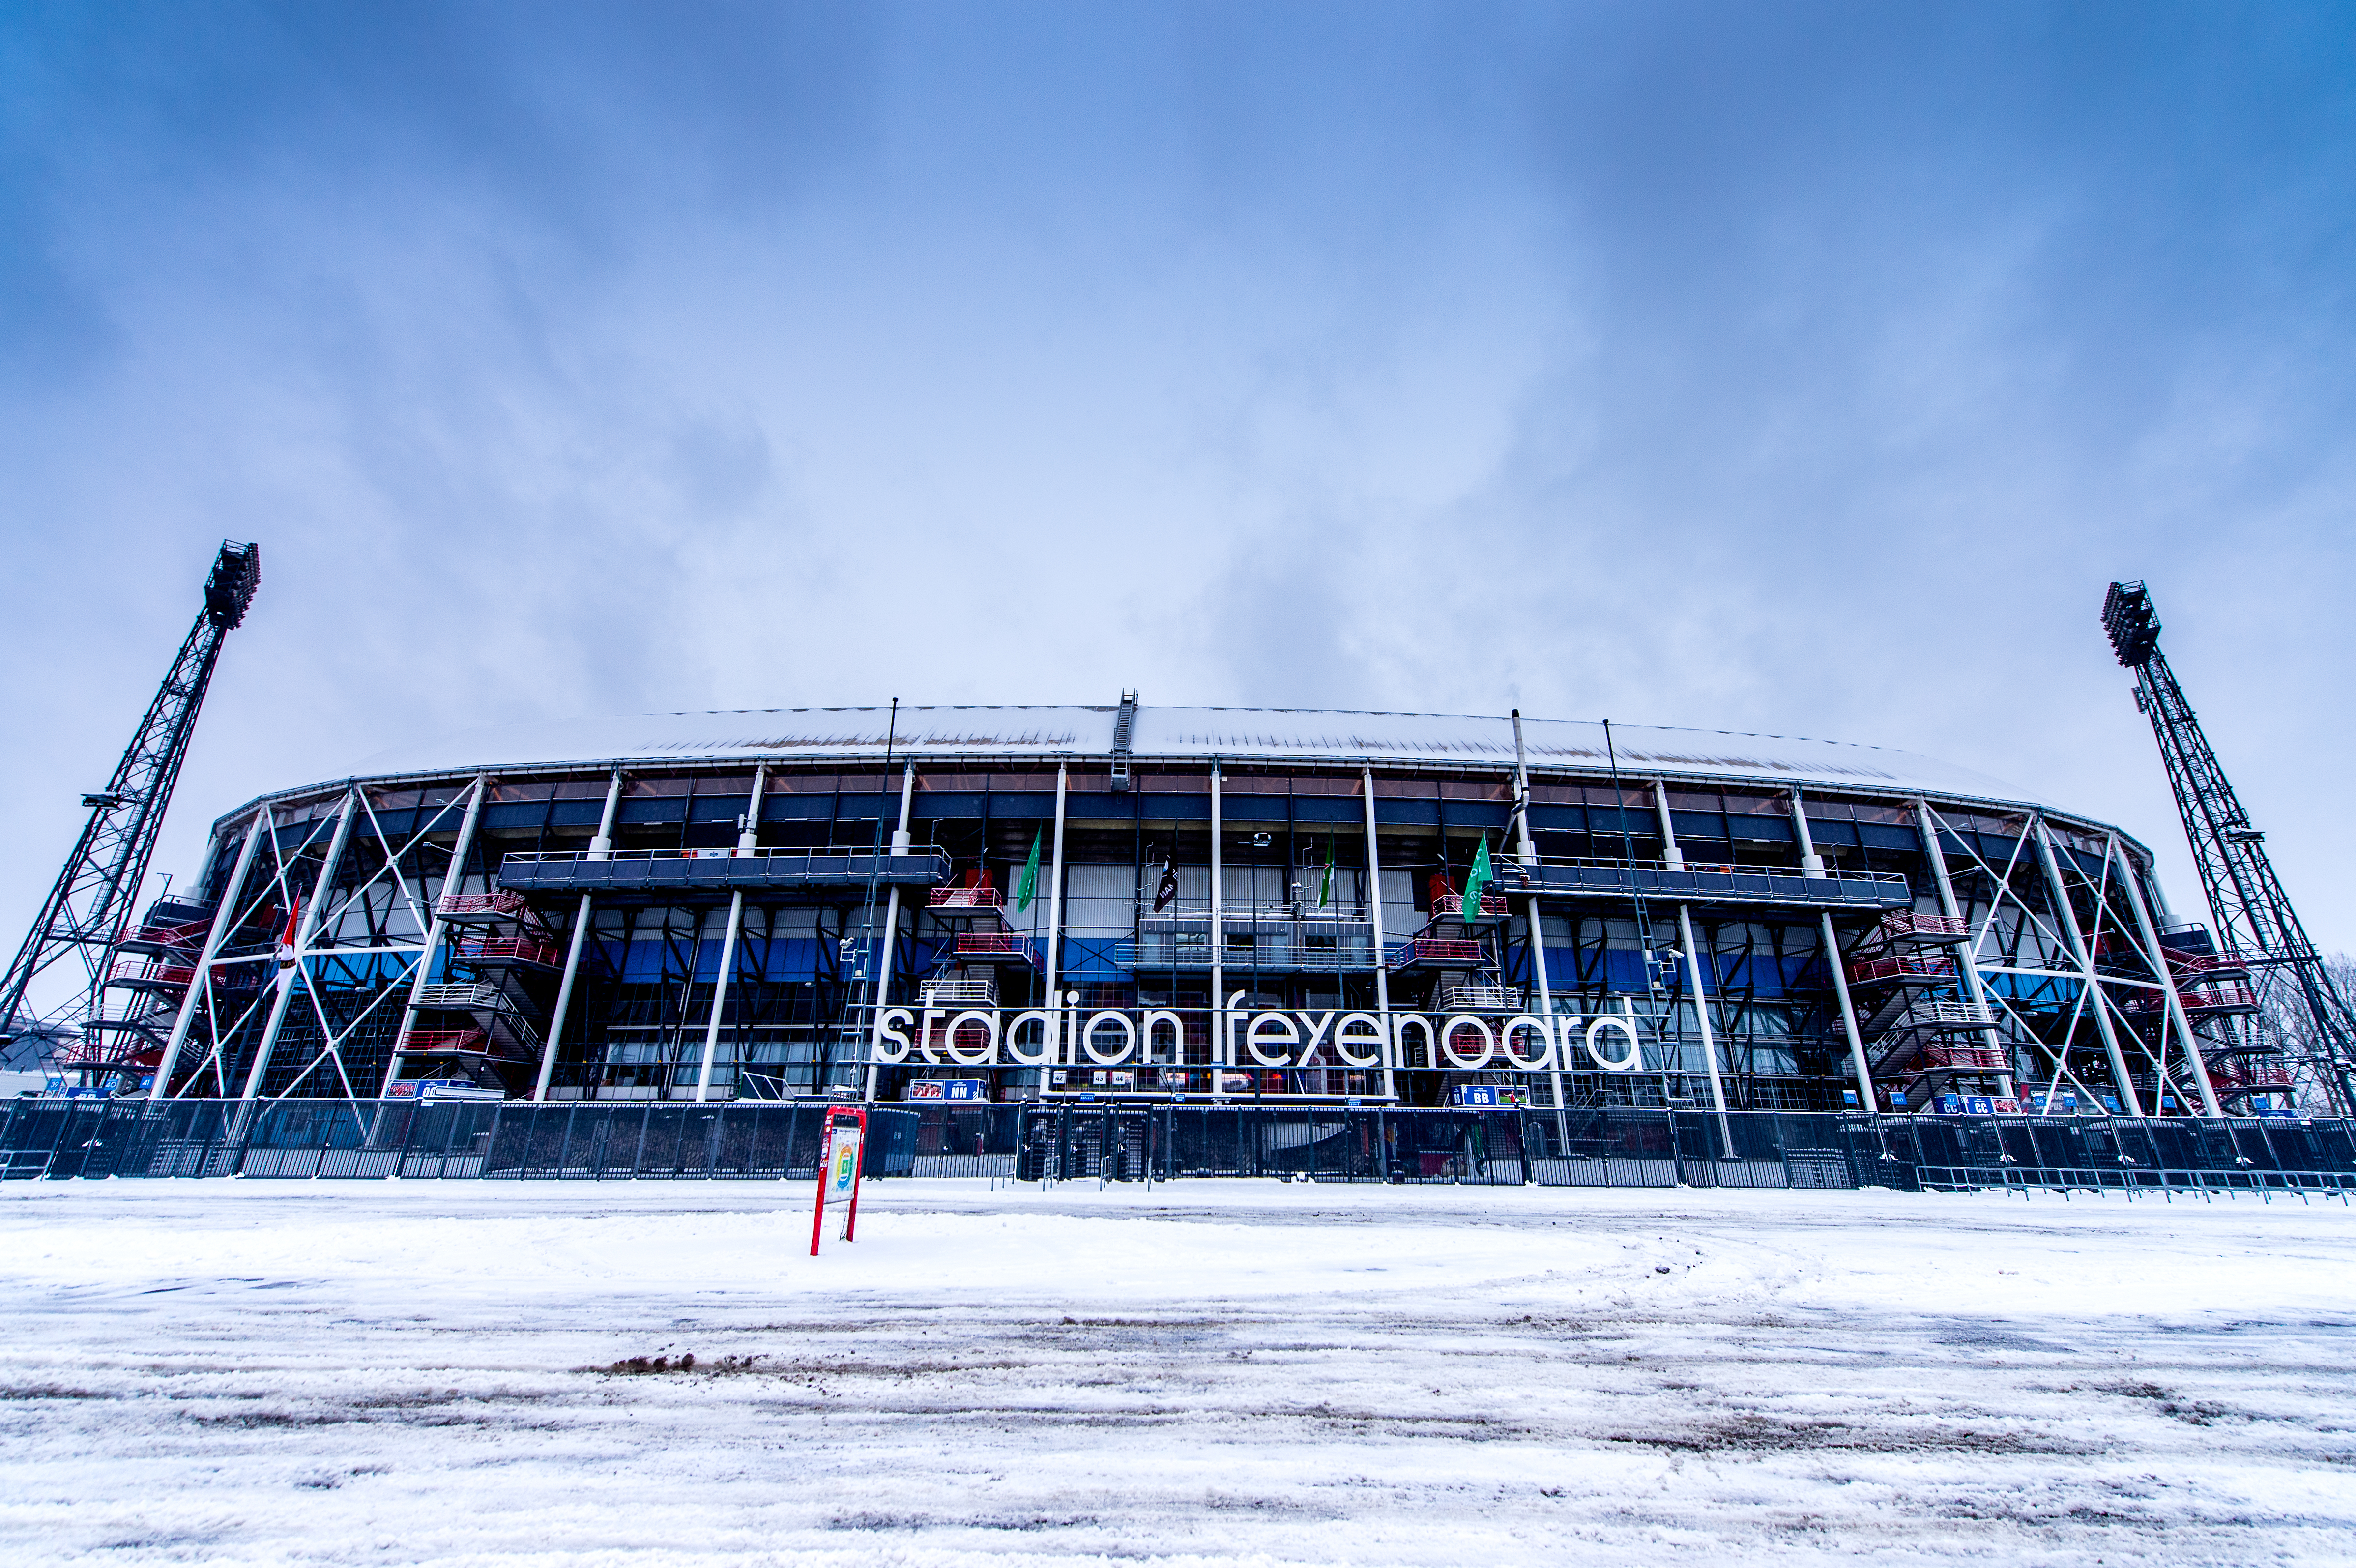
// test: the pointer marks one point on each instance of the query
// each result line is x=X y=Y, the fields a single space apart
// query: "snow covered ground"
x=390 y=1372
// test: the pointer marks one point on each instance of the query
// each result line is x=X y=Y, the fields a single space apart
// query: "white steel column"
x=2059 y=895
x=748 y=838
x=303 y=928
x=1528 y=857
x=224 y=917
x=1813 y=865
x=891 y=930
x=1382 y=966
x=1848 y=1013
x=600 y=848
x=1676 y=859
x=1056 y=909
x=451 y=882
x=2176 y=1015
x=1966 y=955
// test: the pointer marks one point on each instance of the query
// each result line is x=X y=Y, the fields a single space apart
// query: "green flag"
x=1325 y=888
x=1028 y=888
x=1476 y=881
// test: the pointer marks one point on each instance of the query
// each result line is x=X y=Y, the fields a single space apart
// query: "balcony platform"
x=995 y=948
x=696 y=873
x=1705 y=886
x=1263 y=943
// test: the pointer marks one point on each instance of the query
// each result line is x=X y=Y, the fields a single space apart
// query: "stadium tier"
x=1126 y=904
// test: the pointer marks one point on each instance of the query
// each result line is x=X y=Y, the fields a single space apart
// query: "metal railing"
x=447 y=1042
x=146 y=972
x=499 y=902
x=989 y=945
x=1900 y=967
x=1451 y=905
x=509 y=950
x=592 y=1139
x=1912 y=924
x=966 y=899
x=1313 y=943
x=1434 y=950
x=957 y=994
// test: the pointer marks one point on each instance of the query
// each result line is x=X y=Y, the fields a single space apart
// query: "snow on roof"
x=1193 y=734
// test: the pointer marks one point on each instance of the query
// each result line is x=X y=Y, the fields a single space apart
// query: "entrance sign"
x=1154 y=1037
x=841 y=1157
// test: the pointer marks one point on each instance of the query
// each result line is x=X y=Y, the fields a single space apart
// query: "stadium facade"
x=1123 y=903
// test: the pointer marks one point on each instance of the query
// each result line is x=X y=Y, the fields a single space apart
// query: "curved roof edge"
x=1188 y=734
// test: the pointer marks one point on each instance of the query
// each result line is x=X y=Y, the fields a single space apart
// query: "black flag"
x=1168 y=890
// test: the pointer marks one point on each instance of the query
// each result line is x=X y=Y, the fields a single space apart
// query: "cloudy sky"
x=1807 y=369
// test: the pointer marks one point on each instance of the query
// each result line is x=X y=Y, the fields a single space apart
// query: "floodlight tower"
x=2257 y=929
x=87 y=909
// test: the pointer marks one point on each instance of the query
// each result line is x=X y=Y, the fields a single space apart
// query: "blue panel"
x=518 y=815
x=947 y=803
x=1253 y=808
x=1476 y=813
x=1558 y=819
x=1099 y=807
x=656 y=810
x=1175 y=808
x=1328 y=808
x=395 y=825
x=1841 y=835
x=1089 y=959
x=1408 y=814
x=800 y=809
x=1883 y=835
x=1698 y=824
x=1761 y=829
x=718 y=808
x=577 y=813
x=1038 y=805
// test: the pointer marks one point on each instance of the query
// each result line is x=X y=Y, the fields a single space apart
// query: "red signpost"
x=843 y=1155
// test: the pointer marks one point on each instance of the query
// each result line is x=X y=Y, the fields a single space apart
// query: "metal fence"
x=1636 y=1148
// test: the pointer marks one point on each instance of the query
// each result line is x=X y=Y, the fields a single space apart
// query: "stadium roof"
x=821 y=734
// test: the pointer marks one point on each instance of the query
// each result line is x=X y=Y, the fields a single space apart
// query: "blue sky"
x=1807 y=369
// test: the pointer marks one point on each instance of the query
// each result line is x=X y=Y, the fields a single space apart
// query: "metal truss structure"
x=705 y=928
x=2261 y=950
x=87 y=912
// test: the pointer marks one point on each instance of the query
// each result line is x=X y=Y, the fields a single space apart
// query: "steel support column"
x=1966 y=955
x=2057 y=894
x=304 y=927
x=1382 y=966
x=1813 y=865
x=1055 y=911
x=1675 y=858
x=748 y=839
x=600 y=848
x=1527 y=854
x=438 y=928
x=891 y=931
x=2177 y=1019
x=224 y=920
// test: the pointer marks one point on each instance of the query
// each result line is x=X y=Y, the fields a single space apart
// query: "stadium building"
x=1125 y=903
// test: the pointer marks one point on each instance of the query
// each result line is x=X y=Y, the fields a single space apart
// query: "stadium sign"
x=1155 y=1036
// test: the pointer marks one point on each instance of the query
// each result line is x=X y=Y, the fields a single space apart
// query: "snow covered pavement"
x=413 y=1372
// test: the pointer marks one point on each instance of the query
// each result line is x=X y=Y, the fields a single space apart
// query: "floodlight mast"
x=91 y=903
x=2257 y=925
